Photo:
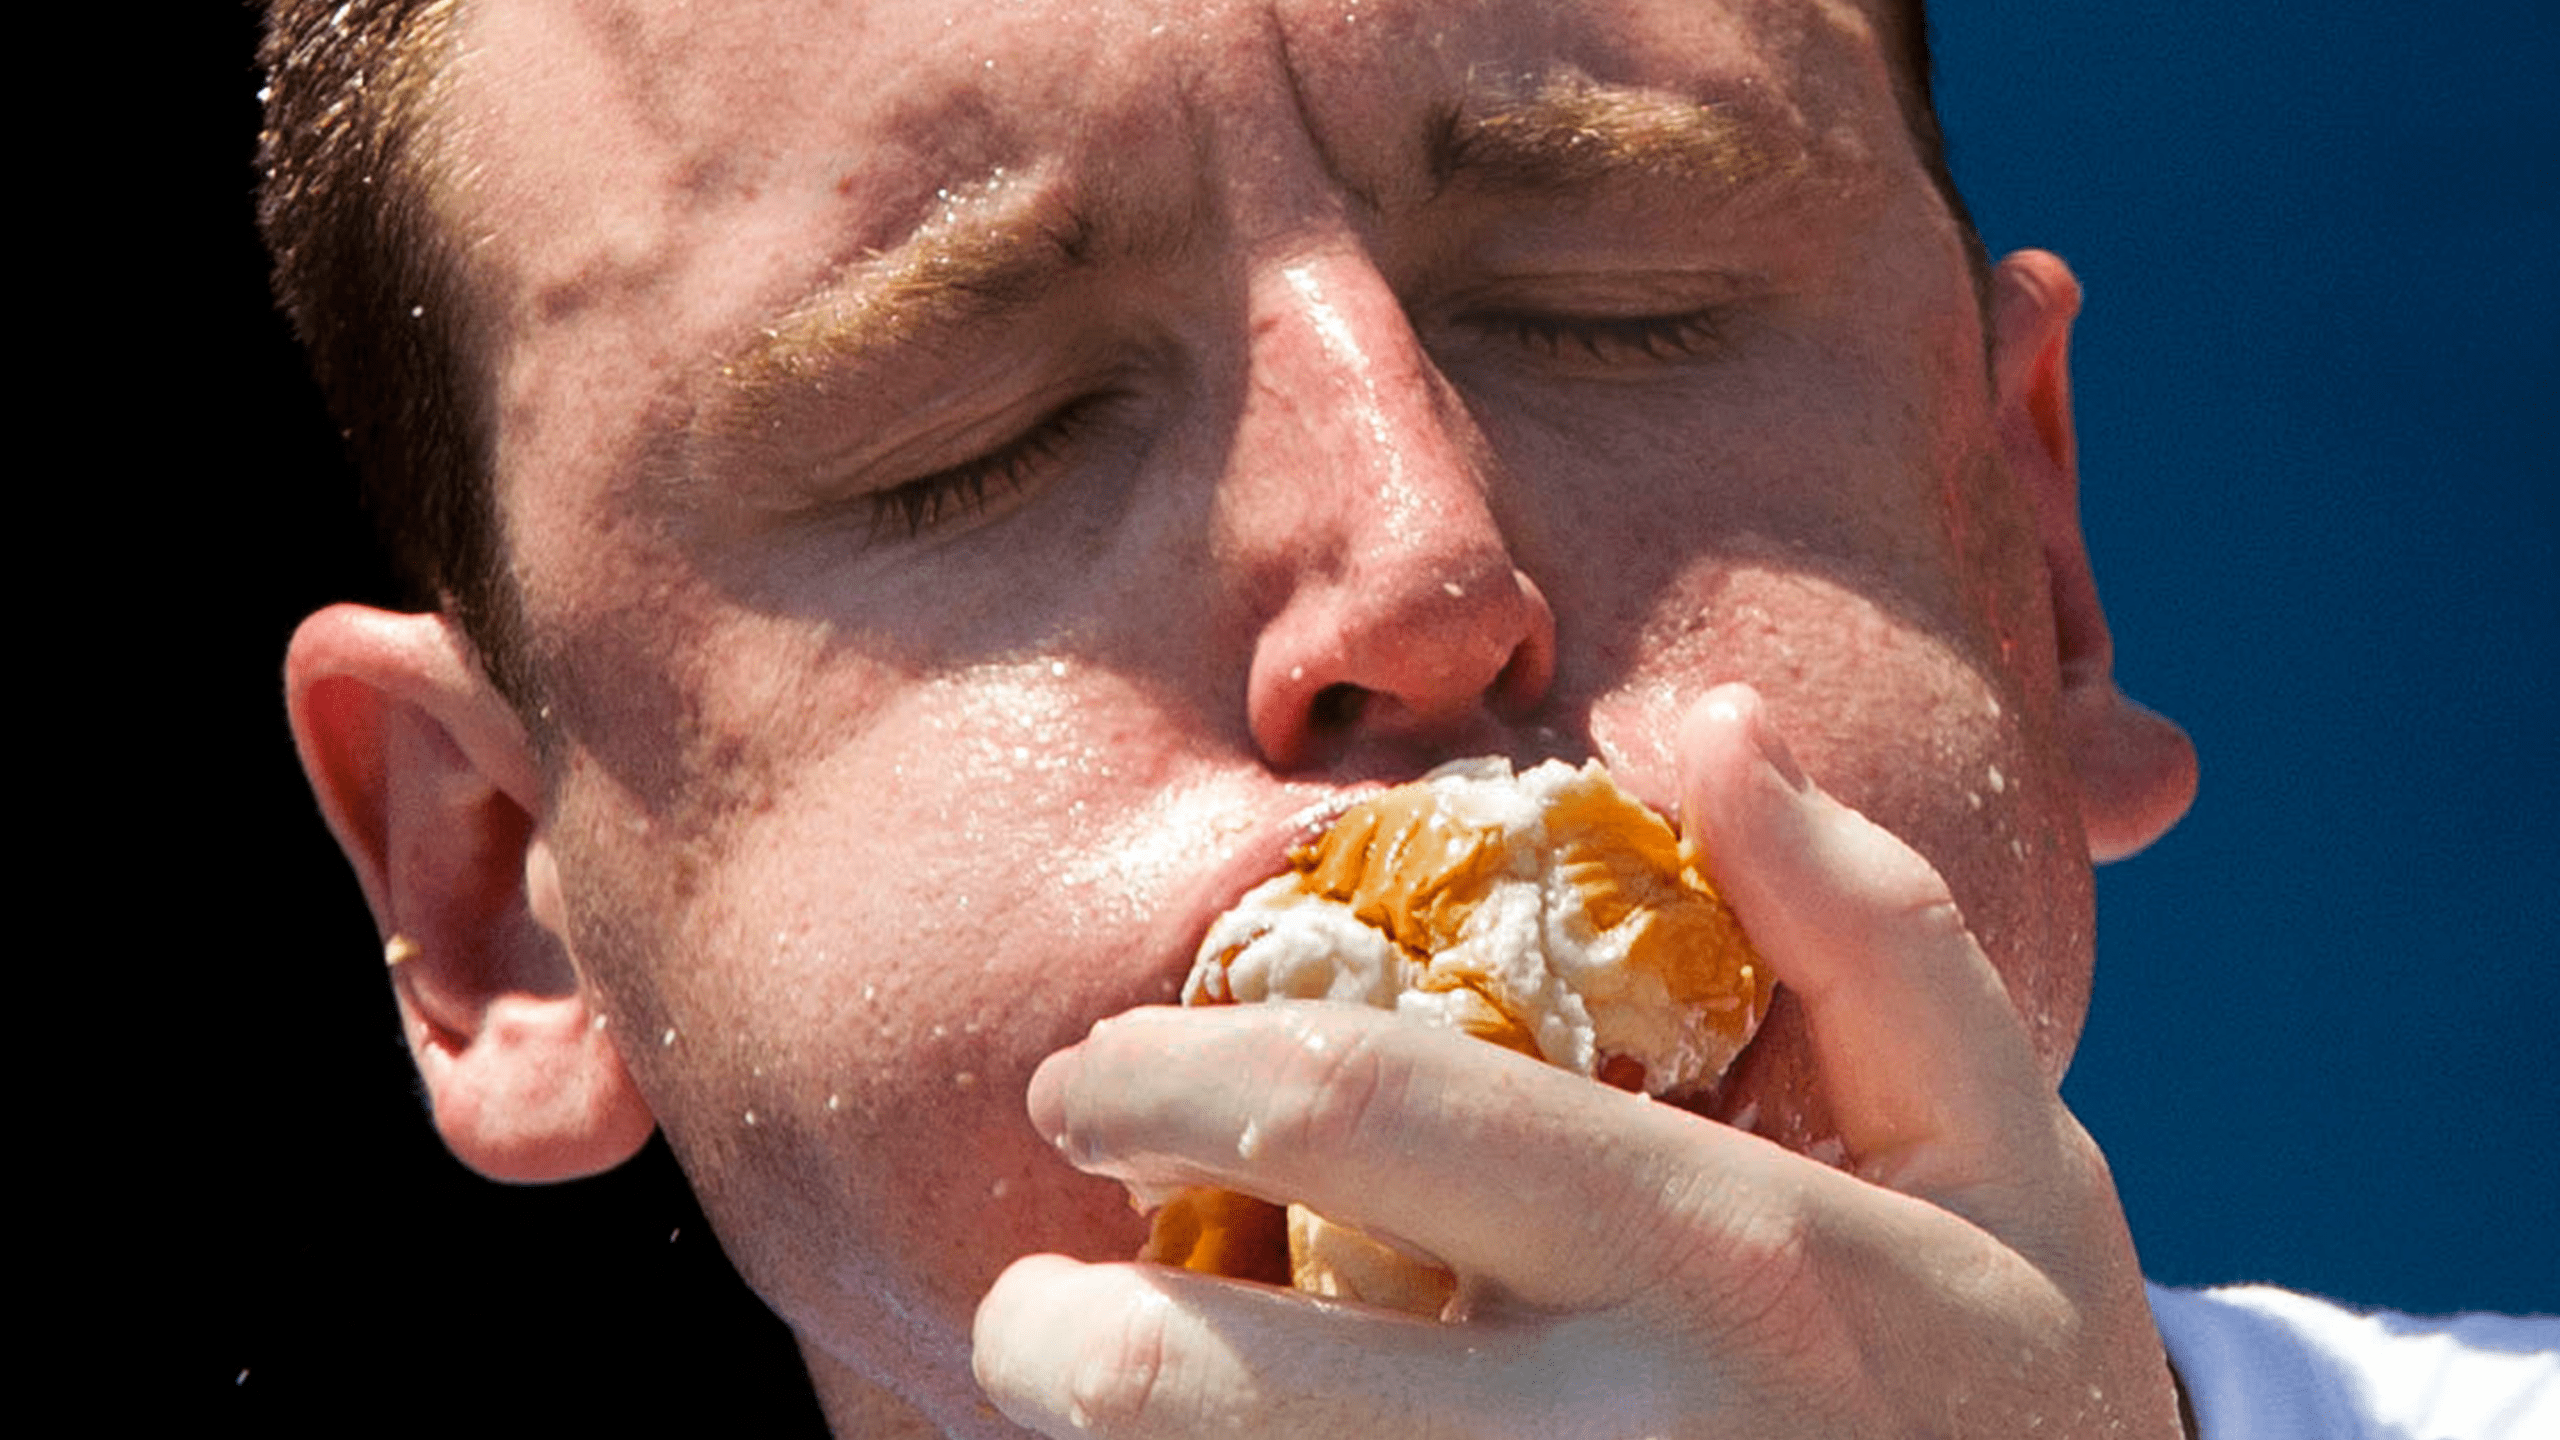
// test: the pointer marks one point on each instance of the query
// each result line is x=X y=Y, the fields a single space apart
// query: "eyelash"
x=1637 y=337
x=965 y=490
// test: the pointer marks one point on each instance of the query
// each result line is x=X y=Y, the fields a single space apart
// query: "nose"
x=1392 y=610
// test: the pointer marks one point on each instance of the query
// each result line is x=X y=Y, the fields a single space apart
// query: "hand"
x=1626 y=1268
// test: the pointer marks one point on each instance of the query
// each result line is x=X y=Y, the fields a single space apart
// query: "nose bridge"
x=1350 y=432
x=1394 y=605
x=1382 y=433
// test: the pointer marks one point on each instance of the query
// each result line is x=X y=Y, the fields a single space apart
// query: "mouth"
x=1245 y=858
x=1479 y=871
x=1259 y=851
x=1756 y=1090
x=1770 y=1090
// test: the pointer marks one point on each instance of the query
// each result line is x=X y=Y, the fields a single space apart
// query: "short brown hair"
x=349 y=172
x=1909 y=46
x=348 y=179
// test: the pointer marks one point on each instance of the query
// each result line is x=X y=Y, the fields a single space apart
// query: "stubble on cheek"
x=834 y=952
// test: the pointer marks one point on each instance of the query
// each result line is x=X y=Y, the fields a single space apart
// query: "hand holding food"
x=1548 y=912
x=1621 y=1267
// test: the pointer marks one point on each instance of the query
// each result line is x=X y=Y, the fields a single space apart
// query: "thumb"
x=1922 y=1058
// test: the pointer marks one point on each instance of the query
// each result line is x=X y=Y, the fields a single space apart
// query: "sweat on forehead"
x=351 y=161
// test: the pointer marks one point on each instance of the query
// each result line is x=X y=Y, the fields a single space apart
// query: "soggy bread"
x=1549 y=912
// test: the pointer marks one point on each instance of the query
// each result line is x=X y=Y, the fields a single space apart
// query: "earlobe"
x=429 y=782
x=2136 y=769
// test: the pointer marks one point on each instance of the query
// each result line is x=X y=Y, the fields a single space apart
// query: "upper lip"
x=1253 y=855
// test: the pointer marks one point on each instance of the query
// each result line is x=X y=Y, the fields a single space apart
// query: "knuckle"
x=1916 y=922
x=1876 y=866
x=1341 y=1087
x=1117 y=1385
x=1756 y=1277
x=2082 y=1166
x=1931 y=913
x=2085 y=1189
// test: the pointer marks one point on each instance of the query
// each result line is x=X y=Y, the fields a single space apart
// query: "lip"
x=1771 y=1090
x=1260 y=850
x=1768 y=1091
x=1255 y=854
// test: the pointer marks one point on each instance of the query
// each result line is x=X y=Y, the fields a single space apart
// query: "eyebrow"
x=1569 y=133
x=986 y=258
x=993 y=255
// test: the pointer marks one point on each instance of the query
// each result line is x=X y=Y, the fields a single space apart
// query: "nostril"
x=1522 y=680
x=1336 y=707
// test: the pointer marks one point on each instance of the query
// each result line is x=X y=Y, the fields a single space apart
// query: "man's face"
x=979 y=475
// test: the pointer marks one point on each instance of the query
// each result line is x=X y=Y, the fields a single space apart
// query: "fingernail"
x=1774 y=750
x=1046 y=1097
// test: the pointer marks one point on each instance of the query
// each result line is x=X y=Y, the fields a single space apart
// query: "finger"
x=1923 y=1060
x=1135 y=1351
x=1457 y=1151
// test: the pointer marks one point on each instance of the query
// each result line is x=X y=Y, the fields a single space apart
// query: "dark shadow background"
x=2316 y=377
x=316 y=1263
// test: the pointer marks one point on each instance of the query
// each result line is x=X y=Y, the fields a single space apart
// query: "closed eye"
x=1613 y=339
x=967 y=491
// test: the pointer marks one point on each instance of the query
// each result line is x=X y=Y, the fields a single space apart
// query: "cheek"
x=1936 y=741
x=834 y=992
x=940 y=852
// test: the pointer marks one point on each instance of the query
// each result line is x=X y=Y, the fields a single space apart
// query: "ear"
x=2136 y=769
x=428 y=780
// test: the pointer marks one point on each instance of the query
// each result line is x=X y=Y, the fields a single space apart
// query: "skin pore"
x=977 y=477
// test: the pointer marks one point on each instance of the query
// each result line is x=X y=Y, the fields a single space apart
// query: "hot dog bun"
x=1548 y=911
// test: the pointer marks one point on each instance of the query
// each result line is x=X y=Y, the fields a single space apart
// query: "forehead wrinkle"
x=1572 y=133
x=1304 y=106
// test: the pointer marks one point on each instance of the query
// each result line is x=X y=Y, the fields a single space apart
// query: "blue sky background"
x=2316 y=382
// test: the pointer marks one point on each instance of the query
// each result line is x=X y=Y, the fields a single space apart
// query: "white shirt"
x=2266 y=1364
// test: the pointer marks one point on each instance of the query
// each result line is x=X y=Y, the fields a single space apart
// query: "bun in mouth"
x=1549 y=912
